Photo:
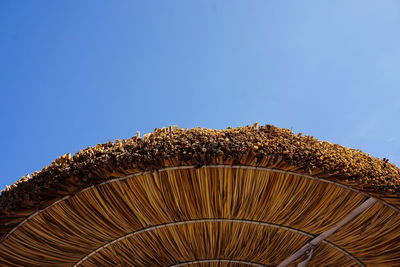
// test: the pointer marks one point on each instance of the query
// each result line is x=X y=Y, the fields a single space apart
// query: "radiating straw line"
x=191 y=167
x=152 y=228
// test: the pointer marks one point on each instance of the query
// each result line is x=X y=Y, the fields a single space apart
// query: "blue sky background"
x=77 y=73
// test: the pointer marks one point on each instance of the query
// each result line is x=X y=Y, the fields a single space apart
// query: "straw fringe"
x=264 y=146
x=189 y=167
x=210 y=220
x=64 y=233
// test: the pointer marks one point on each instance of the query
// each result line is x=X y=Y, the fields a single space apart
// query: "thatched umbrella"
x=250 y=196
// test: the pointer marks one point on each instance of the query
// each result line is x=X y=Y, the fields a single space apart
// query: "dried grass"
x=161 y=217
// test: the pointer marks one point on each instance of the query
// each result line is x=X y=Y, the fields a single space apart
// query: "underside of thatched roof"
x=336 y=178
x=201 y=146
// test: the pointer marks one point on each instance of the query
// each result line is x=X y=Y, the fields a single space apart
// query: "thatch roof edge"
x=266 y=146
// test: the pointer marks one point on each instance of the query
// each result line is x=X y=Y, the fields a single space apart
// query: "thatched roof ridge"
x=197 y=146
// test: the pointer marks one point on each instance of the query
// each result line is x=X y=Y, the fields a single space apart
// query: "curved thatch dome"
x=251 y=196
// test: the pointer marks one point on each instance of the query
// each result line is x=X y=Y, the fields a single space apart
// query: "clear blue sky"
x=77 y=73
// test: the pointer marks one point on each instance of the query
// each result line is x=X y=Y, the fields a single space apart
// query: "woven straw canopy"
x=250 y=196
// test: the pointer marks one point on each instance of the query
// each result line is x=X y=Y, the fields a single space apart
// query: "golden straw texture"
x=183 y=215
x=201 y=197
x=264 y=146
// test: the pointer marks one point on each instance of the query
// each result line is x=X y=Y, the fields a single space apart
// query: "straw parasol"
x=249 y=196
